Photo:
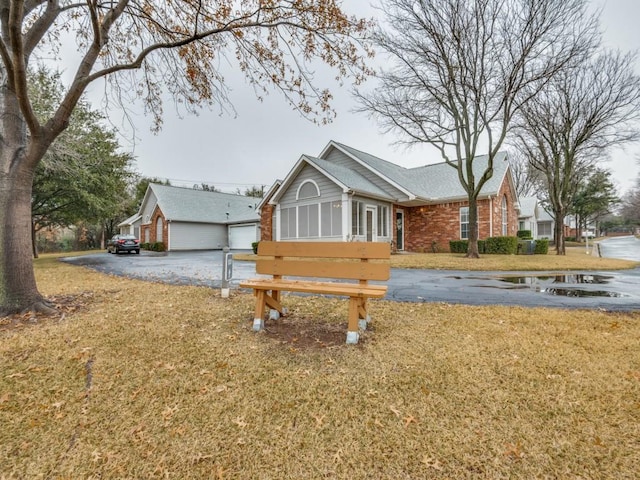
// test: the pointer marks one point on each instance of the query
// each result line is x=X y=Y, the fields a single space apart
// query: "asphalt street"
x=607 y=290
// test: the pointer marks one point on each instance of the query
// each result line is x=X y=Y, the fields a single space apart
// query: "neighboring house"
x=345 y=194
x=545 y=225
x=546 y=228
x=131 y=226
x=528 y=215
x=188 y=219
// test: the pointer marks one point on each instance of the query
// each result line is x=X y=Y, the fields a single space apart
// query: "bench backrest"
x=344 y=260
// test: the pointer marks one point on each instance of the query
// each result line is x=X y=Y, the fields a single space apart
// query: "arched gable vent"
x=308 y=189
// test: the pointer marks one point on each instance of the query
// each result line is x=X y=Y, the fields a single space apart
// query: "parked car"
x=123 y=243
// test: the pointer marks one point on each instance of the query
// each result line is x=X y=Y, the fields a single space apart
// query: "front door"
x=370 y=224
x=399 y=229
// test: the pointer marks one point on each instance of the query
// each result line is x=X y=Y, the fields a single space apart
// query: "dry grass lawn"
x=144 y=380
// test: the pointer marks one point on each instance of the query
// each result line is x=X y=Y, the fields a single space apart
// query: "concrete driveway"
x=614 y=290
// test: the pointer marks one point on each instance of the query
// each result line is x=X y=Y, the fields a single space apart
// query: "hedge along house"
x=345 y=194
x=188 y=219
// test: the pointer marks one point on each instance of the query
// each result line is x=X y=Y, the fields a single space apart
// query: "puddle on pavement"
x=547 y=284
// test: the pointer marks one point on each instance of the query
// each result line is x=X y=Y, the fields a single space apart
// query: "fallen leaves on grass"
x=180 y=386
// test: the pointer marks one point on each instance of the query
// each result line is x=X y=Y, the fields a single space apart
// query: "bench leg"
x=363 y=317
x=353 y=335
x=258 y=317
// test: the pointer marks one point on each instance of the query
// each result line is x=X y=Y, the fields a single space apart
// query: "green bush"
x=502 y=245
x=524 y=234
x=458 y=246
x=462 y=246
x=542 y=246
x=145 y=246
x=254 y=245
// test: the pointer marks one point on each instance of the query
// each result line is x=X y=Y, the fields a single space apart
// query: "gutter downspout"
x=490 y=216
x=168 y=235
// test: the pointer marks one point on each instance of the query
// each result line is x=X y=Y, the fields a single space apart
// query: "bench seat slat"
x=324 y=269
x=327 y=288
x=368 y=250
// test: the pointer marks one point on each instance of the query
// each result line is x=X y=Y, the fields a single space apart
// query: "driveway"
x=607 y=290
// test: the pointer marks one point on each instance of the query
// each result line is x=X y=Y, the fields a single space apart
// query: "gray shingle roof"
x=527 y=206
x=348 y=177
x=437 y=181
x=131 y=220
x=189 y=205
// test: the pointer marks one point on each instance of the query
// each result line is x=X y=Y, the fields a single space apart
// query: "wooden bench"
x=320 y=260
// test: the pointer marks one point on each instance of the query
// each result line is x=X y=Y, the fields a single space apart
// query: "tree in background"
x=631 y=204
x=255 y=191
x=144 y=50
x=82 y=177
x=527 y=180
x=205 y=187
x=141 y=186
x=462 y=69
x=566 y=130
x=594 y=199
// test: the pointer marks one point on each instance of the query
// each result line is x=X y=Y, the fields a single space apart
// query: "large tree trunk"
x=18 y=291
x=472 y=248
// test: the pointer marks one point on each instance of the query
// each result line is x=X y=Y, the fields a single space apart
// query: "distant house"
x=131 y=225
x=345 y=194
x=188 y=219
x=546 y=225
x=528 y=215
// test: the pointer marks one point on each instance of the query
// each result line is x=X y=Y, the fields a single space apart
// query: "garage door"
x=242 y=236
x=196 y=236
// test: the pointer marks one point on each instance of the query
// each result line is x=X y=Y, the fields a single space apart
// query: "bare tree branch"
x=461 y=70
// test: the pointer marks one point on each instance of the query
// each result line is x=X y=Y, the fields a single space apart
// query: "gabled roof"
x=199 y=206
x=348 y=177
x=434 y=183
x=131 y=220
x=528 y=207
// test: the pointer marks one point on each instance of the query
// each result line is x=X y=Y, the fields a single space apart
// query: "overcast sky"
x=265 y=139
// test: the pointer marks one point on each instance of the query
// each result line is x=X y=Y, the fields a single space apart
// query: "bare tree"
x=631 y=203
x=527 y=180
x=572 y=123
x=462 y=69
x=145 y=49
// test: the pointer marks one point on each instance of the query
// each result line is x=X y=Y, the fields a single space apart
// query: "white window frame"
x=305 y=183
x=505 y=223
x=464 y=212
x=383 y=221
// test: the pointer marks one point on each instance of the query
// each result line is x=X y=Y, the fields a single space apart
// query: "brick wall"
x=157 y=213
x=430 y=228
x=266 y=222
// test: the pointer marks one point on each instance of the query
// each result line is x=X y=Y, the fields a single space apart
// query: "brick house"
x=345 y=194
x=188 y=219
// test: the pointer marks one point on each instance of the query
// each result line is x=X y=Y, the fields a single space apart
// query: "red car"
x=123 y=243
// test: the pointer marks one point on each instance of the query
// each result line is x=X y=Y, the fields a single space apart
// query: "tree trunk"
x=472 y=245
x=559 y=232
x=18 y=290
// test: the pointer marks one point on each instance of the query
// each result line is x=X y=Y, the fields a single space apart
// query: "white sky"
x=265 y=139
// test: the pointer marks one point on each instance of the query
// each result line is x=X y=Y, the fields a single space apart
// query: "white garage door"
x=242 y=236
x=196 y=236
